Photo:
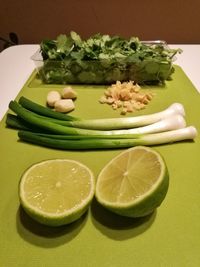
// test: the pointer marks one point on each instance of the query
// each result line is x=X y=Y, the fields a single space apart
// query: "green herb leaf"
x=104 y=59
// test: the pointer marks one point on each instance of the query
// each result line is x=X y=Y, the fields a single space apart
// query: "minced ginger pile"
x=127 y=96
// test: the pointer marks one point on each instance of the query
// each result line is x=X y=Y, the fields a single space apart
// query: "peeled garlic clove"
x=64 y=105
x=68 y=92
x=52 y=97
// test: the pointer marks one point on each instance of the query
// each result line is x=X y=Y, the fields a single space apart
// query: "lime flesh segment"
x=134 y=183
x=56 y=192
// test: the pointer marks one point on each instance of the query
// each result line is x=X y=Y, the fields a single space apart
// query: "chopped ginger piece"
x=127 y=96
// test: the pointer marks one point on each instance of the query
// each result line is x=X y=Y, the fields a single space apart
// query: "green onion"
x=167 y=126
x=170 y=123
x=15 y=122
x=41 y=110
x=149 y=139
x=42 y=123
x=102 y=124
x=128 y=122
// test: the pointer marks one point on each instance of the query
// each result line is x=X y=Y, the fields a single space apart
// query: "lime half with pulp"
x=134 y=183
x=56 y=192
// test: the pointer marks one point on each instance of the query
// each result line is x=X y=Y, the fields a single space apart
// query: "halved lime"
x=134 y=183
x=56 y=192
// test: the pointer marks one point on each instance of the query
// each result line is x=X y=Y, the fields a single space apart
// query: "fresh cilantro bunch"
x=104 y=59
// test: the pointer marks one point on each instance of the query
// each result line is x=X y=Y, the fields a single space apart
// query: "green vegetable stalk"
x=154 y=129
x=101 y=143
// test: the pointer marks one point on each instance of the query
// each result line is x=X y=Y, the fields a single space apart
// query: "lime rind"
x=50 y=220
x=143 y=206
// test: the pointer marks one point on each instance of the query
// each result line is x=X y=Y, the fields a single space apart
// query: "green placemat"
x=169 y=237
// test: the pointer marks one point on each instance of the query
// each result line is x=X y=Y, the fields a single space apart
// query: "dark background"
x=174 y=21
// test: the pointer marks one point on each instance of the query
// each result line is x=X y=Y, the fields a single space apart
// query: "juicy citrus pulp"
x=56 y=192
x=134 y=183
